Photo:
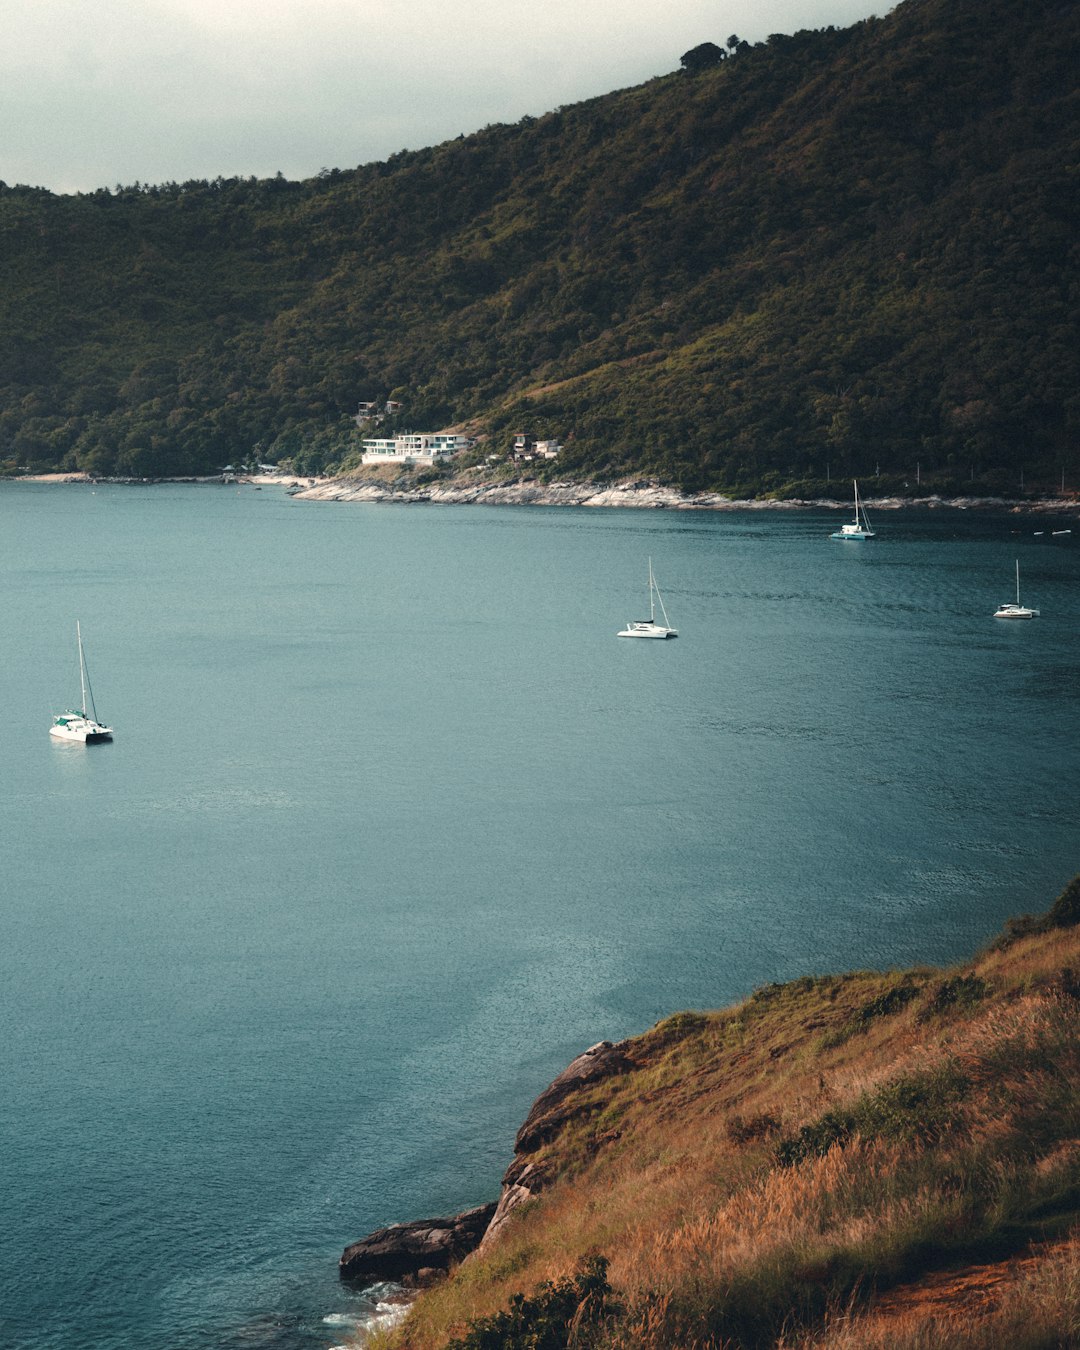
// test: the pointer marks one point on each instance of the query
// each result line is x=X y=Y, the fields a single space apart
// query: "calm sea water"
x=393 y=826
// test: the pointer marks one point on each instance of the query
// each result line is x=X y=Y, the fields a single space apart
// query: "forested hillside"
x=832 y=251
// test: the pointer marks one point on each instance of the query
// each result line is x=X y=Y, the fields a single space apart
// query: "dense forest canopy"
x=840 y=251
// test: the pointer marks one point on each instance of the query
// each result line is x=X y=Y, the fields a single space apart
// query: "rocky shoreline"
x=635 y=495
x=422 y=1251
x=285 y=480
x=632 y=495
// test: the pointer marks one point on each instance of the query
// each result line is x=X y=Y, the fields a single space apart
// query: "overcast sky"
x=99 y=92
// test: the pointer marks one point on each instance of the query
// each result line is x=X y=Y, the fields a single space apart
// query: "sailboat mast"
x=1018 y=582
x=84 y=679
x=663 y=611
x=652 y=595
x=82 y=666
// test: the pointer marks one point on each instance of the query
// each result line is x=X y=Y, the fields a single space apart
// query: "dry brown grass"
x=955 y=1132
x=1022 y=1303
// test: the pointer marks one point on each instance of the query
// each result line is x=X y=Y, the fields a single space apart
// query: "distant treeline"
x=839 y=252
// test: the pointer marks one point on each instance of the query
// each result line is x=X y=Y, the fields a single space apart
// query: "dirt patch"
x=971 y=1292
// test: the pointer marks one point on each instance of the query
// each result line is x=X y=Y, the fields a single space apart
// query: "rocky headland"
x=844 y=1162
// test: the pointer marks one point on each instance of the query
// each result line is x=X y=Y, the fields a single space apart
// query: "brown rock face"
x=549 y=1113
x=403 y=1250
x=417 y=1252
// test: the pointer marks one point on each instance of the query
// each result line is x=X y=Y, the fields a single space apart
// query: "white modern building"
x=410 y=447
x=528 y=447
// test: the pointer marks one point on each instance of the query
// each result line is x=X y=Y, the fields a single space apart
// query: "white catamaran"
x=1017 y=610
x=649 y=628
x=859 y=528
x=81 y=726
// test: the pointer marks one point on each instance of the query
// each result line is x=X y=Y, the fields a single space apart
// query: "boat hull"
x=1016 y=612
x=845 y=533
x=647 y=630
x=89 y=733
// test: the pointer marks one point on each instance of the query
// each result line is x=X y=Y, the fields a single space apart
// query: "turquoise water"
x=393 y=826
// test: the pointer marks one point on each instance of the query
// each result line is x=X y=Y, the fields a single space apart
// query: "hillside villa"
x=528 y=447
x=410 y=447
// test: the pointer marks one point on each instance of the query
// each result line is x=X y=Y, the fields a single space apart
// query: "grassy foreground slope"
x=862 y=1160
x=832 y=252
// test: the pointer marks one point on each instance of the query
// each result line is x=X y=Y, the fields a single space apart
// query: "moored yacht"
x=649 y=628
x=859 y=528
x=82 y=726
x=1009 y=610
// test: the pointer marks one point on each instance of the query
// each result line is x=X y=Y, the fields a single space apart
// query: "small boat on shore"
x=859 y=528
x=1017 y=610
x=82 y=726
x=649 y=628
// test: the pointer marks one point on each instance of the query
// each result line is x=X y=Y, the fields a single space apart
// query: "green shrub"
x=892 y=1001
x=815 y=1139
x=959 y=991
x=1063 y=913
x=912 y=1108
x=561 y=1314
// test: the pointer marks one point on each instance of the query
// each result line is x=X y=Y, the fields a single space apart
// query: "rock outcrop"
x=552 y=1109
x=414 y=1253
x=526 y=1176
x=466 y=492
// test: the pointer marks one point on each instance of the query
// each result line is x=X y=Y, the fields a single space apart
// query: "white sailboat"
x=81 y=726
x=859 y=528
x=1017 y=610
x=649 y=628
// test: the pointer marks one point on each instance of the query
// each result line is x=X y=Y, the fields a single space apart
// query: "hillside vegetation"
x=841 y=251
x=864 y=1160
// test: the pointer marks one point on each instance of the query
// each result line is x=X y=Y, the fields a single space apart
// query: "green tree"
x=701 y=57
